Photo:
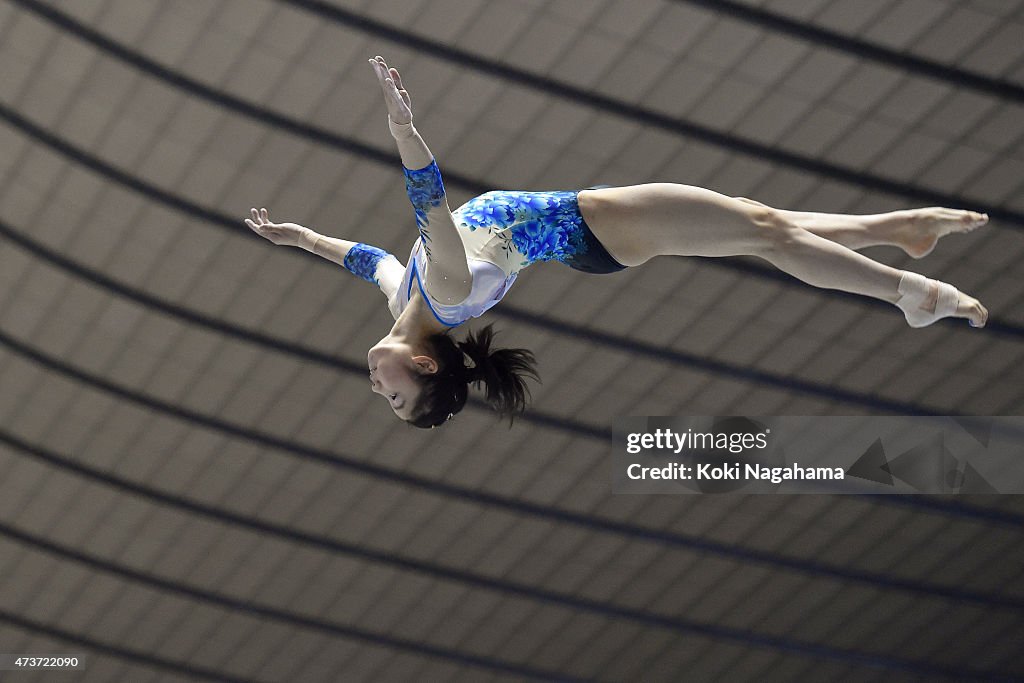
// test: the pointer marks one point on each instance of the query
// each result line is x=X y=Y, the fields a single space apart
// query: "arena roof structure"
x=196 y=483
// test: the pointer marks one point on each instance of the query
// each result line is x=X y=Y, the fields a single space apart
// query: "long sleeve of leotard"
x=448 y=278
x=375 y=265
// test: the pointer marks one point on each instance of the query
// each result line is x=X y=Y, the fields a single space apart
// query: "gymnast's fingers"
x=401 y=88
x=378 y=70
x=380 y=74
x=393 y=93
x=386 y=84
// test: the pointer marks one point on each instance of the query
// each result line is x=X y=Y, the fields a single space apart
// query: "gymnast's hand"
x=287 y=234
x=396 y=97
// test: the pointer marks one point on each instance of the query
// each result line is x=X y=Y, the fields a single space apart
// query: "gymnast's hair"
x=501 y=373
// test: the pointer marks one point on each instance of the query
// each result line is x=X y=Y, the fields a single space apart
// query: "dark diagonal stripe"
x=548 y=323
x=255 y=337
x=261 y=611
x=484 y=498
x=344 y=143
x=214 y=217
x=950 y=75
x=556 y=326
x=336 y=363
x=464 y=59
x=684 y=625
x=110 y=650
x=397 y=560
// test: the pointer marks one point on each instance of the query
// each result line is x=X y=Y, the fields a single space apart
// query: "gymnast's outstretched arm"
x=448 y=278
x=365 y=260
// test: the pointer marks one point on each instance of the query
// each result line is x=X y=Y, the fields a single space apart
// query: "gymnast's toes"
x=973 y=219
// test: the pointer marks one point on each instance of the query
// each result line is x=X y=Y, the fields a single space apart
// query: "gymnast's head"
x=427 y=383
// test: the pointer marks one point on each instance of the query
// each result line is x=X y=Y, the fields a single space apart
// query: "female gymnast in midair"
x=464 y=262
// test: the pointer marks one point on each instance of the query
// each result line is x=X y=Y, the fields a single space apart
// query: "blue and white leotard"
x=502 y=232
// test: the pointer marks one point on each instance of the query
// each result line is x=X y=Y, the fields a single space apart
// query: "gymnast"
x=464 y=262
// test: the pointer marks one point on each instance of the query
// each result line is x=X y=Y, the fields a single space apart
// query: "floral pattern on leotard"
x=426 y=191
x=362 y=260
x=541 y=226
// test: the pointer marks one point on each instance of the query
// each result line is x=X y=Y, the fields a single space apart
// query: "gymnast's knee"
x=773 y=231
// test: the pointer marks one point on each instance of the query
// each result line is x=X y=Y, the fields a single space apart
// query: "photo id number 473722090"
x=20 y=662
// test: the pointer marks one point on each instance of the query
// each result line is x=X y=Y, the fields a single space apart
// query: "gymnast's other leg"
x=638 y=222
x=915 y=231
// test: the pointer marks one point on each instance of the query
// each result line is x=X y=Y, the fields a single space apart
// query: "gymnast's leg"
x=638 y=222
x=915 y=231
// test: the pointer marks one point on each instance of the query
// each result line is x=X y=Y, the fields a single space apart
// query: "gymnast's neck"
x=416 y=323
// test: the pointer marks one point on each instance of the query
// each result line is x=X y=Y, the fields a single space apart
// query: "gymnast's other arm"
x=368 y=262
x=447 y=277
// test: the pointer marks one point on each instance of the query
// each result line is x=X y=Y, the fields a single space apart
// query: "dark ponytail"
x=500 y=373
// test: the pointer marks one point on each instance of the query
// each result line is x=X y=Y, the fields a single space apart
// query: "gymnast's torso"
x=514 y=229
x=502 y=232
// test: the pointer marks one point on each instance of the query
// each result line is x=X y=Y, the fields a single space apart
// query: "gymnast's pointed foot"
x=921 y=231
x=923 y=301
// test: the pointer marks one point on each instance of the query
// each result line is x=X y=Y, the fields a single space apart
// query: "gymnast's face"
x=394 y=374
